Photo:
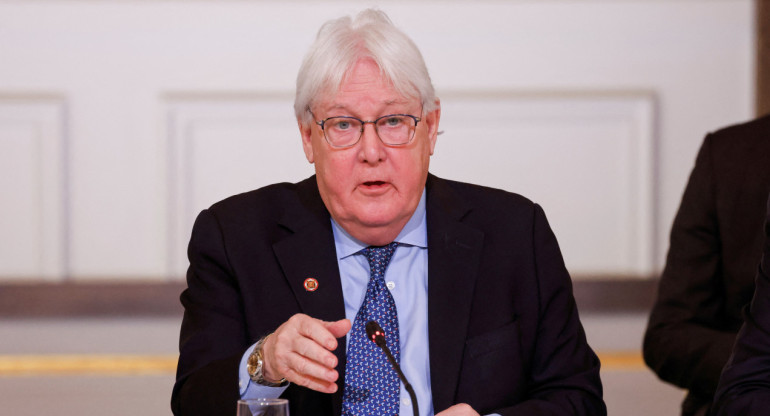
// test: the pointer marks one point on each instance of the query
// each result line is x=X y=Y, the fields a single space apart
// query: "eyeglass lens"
x=392 y=130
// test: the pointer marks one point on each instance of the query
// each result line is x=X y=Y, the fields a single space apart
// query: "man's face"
x=370 y=189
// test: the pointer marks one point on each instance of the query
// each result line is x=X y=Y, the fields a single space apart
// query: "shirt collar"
x=414 y=233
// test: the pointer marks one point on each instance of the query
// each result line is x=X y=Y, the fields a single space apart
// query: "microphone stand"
x=377 y=335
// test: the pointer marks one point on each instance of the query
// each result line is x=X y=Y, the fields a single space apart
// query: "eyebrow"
x=386 y=103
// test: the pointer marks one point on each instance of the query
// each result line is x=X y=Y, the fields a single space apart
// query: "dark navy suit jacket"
x=716 y=243
x=504 y=332
x=744 y=387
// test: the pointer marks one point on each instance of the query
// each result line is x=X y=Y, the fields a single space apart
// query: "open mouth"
x=374 y=183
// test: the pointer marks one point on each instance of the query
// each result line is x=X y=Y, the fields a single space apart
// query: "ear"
x=432 y=122
x=306 y=130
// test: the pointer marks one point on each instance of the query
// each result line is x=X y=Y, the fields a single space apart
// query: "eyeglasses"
x=345 y=131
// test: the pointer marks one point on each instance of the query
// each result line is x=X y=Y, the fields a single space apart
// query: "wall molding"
x=34 y=166
x=763 y=57
x=220 y=144
x=586 y=156
x=90 y=299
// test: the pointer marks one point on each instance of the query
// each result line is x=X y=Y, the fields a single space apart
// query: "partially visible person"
x=716 y=243
x=744 y=388
x=468 y=282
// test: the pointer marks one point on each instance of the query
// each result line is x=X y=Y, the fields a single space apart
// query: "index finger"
x=315 y=330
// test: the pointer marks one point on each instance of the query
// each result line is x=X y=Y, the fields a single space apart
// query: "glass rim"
x=263 y=400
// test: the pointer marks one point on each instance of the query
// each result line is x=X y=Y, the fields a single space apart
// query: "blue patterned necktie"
x=371 y=385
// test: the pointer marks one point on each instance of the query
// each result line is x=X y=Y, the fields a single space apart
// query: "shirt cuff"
x=251 y=390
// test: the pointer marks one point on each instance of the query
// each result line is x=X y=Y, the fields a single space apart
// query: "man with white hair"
x=467 y=282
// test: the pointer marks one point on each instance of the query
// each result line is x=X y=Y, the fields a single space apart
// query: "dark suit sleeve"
x=213 y=337
x=744 y=388
x=564 y=375
x=683 y=344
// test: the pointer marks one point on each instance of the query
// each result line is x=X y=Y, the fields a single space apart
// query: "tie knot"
x=379 y=257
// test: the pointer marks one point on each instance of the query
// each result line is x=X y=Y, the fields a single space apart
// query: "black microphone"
x=377 y=335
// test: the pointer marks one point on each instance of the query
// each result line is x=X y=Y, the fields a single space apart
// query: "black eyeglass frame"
x=321 y=124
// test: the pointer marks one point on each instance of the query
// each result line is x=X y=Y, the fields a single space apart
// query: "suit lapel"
x=454 y=251
x=308 y=252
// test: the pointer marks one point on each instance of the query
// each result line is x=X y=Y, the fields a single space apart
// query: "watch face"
x=254 y=367
x=254 y=364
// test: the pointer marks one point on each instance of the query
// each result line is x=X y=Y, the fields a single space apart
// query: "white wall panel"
x=32 y=157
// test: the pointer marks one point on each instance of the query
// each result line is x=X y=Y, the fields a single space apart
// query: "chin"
x=375 y=221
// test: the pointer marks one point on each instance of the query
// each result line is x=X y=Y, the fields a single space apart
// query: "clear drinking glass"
x=263 y=407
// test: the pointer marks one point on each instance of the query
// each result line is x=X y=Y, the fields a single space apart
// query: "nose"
x=372 y=149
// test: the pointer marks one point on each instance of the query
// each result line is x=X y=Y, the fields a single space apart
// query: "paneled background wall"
x=121 y=120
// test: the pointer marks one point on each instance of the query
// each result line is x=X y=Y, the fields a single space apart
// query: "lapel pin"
x=311 y=285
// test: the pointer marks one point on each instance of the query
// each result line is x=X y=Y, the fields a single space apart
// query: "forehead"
x=364 y=85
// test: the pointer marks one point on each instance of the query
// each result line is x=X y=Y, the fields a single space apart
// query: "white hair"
x=342 y=42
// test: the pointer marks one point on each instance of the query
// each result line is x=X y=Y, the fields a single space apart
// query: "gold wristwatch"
x=254 y=366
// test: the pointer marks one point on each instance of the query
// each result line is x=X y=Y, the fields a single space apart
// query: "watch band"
x=254 y=366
